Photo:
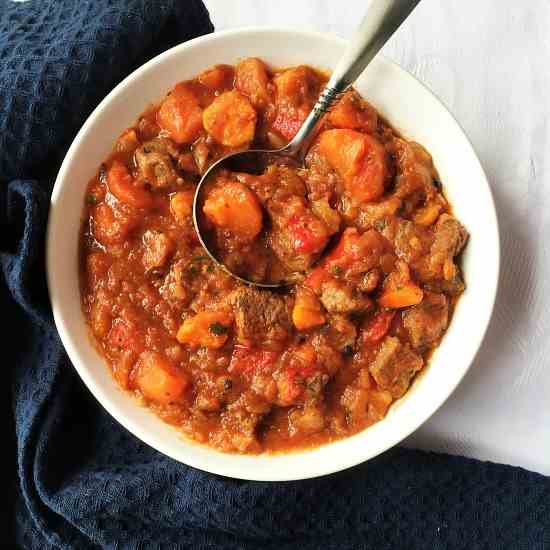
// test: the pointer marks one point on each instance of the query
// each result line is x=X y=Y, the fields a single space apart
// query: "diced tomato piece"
x=288 y=388
x=287 y=123
x=303 y=365
x=247 y=360
x=342 y=255
x=378 y=327
x=306 y=240
x=109 y=228
x=316 y=278
x=125 y=336
x=186 y=161
x=97 y=264
x=346 y=251
x=297 y=90
x=302 y=372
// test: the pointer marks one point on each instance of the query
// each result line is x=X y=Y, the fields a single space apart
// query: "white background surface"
x=489 y=62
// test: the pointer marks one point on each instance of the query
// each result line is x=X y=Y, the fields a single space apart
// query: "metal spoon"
x=383 y=18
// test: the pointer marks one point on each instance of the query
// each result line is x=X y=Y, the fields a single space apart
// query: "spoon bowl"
x=232 y=161
x=383 y=18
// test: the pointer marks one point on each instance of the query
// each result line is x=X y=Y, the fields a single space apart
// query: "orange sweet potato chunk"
x=232 y=206
x=180 y=115
x=230 y=119
x=252 y=80
x=307 y=312
x=217 y=77
x=159 y=379
x=109 y=228
x=206 y=329
x=354 y=113
x=399 y=290
x=359 y=160
x=181 y=205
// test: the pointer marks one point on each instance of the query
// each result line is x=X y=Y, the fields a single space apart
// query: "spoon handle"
x=383 y=18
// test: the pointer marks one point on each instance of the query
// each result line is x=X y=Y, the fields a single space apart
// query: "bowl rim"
x=55 y=217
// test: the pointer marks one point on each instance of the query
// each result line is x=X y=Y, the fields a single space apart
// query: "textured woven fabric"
x=81 y=480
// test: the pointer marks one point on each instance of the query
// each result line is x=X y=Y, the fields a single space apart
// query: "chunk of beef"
x=329 y=359
x=264 y=385
x=285 y=180
x=319 y=175
x=260 y=317
x=355 y=397
x=158 y=247
x=394 y=366
x=411 y=241
x=339 y=297
x=454 y=287
x=450 y=238
x=298 y=236
x=427 y=321
x=375 y=214
x=370 y=280
x=276 y=184
x=239 y=426
x=307 y=420
x=175 y=289
x=341 y=333
x=415 y=170
x=322 y=209
x=356 y=254
x=154 y=163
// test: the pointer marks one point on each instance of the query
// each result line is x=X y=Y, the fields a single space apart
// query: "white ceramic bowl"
x=410 y=108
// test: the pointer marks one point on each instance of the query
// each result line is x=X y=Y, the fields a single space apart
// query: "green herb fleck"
x=210 y=269
x=218 y=329
x=337 y=270
x=380 y=225
x=91 y=199
x=348 y=350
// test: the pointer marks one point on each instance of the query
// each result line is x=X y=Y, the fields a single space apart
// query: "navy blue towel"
x=80 y=480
